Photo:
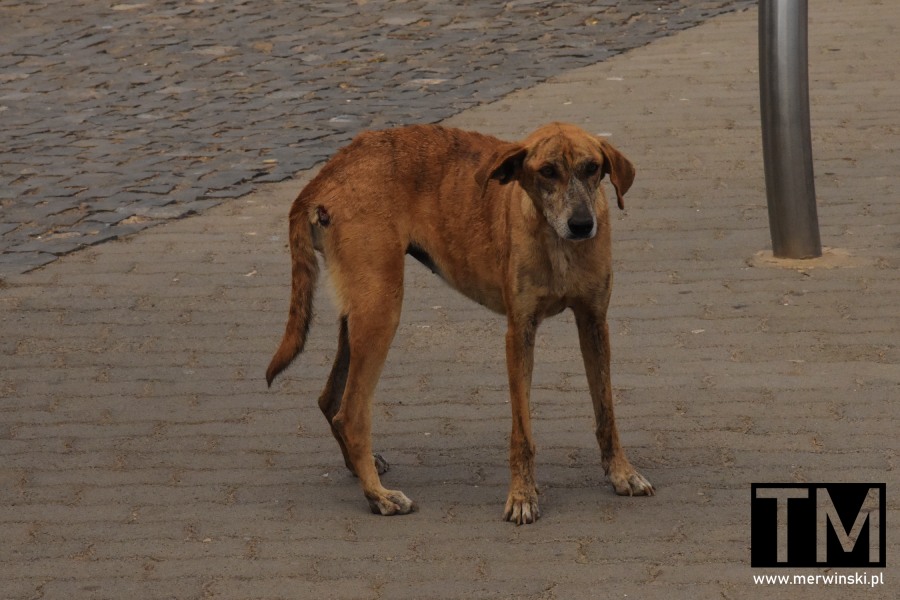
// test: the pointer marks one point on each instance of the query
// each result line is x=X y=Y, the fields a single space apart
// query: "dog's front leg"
x=593 y=335
x=522 y=503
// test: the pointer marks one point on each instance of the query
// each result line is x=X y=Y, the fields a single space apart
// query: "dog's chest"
x=564 y=269
x=561 y=274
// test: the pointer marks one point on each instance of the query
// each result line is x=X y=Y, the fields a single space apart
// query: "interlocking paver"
x=127 y=101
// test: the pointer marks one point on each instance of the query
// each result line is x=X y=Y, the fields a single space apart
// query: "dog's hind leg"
x=593 y=335
x=330 y=400
x=373 y=312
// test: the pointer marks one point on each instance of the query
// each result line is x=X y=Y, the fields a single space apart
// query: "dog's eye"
x=548 y=171
x=591 y=168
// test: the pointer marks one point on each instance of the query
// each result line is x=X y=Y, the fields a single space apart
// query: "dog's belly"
x=418 y=253
x=474 y=288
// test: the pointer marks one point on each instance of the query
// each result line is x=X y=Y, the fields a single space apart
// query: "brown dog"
x=522 y=228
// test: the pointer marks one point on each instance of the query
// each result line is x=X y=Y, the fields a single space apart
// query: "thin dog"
x=521 y=228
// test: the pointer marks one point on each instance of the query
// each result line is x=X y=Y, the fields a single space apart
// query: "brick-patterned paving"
x=119 y=116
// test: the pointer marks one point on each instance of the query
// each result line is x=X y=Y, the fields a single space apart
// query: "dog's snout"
x=581 y=225
x=581 y=228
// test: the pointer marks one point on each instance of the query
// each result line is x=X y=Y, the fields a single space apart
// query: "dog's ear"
x=504 y=165
x=619 y=168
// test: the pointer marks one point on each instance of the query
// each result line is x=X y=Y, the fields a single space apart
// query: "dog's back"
x=411 y=160
x=416 y=186
x=409 y=190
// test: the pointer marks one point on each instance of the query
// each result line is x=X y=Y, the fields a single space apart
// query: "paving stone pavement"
x=143 y=456
x=118 y=116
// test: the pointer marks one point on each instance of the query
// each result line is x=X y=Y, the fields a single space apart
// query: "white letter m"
x=825 y=512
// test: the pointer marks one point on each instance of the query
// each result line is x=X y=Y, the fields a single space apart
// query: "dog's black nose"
x=581 y=226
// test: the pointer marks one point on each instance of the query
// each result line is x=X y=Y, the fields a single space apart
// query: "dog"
x=521 y=228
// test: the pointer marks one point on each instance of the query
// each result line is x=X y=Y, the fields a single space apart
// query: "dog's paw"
x=381 y=465
x=522 y=508
x=629 y=482
x=391 y=502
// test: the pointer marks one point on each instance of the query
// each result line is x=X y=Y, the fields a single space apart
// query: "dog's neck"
x=558 y=253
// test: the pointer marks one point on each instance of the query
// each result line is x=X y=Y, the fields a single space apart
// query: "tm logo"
x=817 y=524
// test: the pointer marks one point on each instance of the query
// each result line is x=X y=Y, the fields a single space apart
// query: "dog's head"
x=560 y=168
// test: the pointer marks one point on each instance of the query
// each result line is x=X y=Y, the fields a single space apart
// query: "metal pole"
x=787 y=148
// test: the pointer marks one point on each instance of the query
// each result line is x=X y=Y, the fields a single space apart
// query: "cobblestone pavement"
x=116 y=117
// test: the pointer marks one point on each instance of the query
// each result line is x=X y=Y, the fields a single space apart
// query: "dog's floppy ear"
x=504 y=165
x=620 y=169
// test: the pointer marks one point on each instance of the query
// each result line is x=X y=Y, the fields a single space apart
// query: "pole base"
x=832 y=258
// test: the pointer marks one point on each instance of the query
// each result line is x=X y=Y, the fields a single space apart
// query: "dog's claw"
x=521 y=509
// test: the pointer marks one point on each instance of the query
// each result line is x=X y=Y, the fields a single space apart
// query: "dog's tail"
x=304 y=272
